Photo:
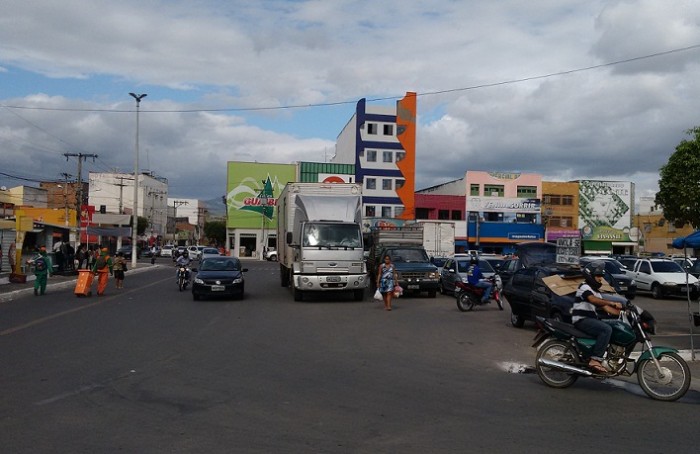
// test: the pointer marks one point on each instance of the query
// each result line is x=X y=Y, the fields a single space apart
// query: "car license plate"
x=333 y=278
x=413 y=287
x=623 y=288
x=218 y=288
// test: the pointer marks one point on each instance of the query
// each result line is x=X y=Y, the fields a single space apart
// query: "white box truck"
x=438 y=237
x=320 y=239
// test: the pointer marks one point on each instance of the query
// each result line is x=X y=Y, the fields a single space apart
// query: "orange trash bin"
x=83 y=287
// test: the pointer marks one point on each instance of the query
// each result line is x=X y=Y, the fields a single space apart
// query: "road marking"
x=102 y=299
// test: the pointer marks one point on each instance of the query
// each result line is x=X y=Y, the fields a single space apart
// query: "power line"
x=388 y=98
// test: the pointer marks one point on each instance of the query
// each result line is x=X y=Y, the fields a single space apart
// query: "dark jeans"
x=487 y=292
x=600 y=330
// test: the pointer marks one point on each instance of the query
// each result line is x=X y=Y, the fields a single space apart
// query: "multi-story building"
x=380 y=142
x=503 y=208
x=114 y=193
x=195 y=212
x=560 y=210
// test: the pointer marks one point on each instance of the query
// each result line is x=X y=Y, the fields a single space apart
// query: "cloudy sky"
x=568 y=89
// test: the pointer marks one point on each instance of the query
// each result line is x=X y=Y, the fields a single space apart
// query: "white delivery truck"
x=438 y=237
x=319 y=238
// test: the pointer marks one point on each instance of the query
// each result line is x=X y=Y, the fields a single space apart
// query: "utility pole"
x=121 y=192
x=80 y=197
x=65 y=196
x=177 y=203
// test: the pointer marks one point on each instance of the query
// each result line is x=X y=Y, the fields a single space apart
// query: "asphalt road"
x=147 y=369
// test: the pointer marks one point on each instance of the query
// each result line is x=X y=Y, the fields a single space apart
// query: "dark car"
x=126 y=251
x=219 y=277
x=529 y=296
x=614 y=274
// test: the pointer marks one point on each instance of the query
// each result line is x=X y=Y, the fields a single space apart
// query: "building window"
x=473 y=189
x=399 y=183
x=494 y=190
x=388 y=130
x=527 y=192
x=386 y=156
x=422 y=213
x=371 y=155
x=456 y=215
x=386 y=184
x=372 y=128
x=400 y=156
x=551 y=199
x=386 y=212
x=567 y=200
x=398 y=211
x=370 y=211
x=371 y=183
x=444 y=214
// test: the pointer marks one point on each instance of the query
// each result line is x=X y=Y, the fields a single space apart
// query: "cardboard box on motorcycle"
x=566 y=285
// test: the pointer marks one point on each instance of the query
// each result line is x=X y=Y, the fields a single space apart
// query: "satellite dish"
x=3 y=188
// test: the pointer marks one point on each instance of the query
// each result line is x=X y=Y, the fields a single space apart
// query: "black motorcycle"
x=183 y=277
x=563 y=353
x=468 y=295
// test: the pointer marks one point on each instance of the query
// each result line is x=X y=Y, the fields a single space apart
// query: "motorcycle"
x=468 y=295
x=183 y=277
x=563 y=353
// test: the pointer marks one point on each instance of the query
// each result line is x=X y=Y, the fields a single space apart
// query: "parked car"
x=167 y=250
x=456 y=268
x=496 y=261
x=615 y=274
x=689 y=264
x=219 y=276
x=271 y=255
x=439 y=262
x=209 y=252
x=530 y=297
x=664 y=277
x=126 y=251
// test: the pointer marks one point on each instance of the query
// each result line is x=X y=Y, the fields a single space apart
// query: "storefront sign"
x=503 y=204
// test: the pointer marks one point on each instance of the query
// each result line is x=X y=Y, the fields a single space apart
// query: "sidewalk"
x=10 y=291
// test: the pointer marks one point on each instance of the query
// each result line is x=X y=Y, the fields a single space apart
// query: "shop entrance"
x=248 y=245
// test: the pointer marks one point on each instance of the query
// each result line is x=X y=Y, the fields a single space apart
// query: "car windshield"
x=220 y=265
x=666 y=266
x=210 y=251
x=484 y=266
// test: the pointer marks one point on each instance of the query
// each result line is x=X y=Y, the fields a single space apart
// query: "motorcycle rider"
x=585 y=318
x=477 y=279
x=183 y=260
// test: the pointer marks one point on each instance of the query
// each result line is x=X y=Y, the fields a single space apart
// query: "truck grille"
x=415 y=276
x=333 y=270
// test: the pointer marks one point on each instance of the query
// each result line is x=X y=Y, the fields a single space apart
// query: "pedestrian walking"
x=42 y=266
x=119 y=268
x=103 y=268
x=386 y=280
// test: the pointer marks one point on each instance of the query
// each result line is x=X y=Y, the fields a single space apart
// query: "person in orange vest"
x=102 y=269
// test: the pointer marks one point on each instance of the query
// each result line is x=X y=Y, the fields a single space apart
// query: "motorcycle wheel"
x=464 y=303
x=668 y=384
x=181 y=284
x=556 y=350
x=497 y=297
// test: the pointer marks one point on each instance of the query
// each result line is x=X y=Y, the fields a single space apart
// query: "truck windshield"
x=332 y=236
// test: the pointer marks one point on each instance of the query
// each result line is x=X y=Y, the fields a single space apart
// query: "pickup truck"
x=415 y=272
x=663 y=277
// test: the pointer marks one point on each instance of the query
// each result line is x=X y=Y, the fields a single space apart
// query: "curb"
x=11 y=295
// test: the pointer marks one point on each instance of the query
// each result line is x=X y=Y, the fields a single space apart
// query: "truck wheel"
x=359 y=295
x=298 y=295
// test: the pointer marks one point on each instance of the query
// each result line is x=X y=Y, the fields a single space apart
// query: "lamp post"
x=135 y=220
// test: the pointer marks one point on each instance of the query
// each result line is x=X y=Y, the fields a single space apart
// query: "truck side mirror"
x=289 y=237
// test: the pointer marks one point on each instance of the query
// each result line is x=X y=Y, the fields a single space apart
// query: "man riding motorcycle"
x=183 y=261
x=477 y=279
x=585 y=319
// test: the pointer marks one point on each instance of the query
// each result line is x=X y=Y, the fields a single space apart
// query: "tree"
x=679 y=185
x=141 y=225
x=215 y=231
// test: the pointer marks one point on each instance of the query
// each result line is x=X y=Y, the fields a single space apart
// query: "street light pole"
x=135 y=220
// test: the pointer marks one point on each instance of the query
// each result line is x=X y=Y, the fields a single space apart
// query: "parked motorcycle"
x=468 y=295
x=183 y=277
x=563 y=353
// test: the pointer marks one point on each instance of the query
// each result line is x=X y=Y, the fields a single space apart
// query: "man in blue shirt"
x=475 y=278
